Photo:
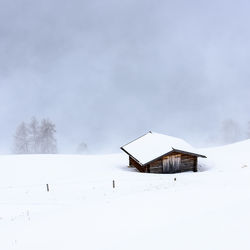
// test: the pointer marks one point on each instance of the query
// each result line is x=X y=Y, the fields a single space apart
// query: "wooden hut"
x=158 y=153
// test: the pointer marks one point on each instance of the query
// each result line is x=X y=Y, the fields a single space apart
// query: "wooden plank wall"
x=133 y=163
x=156 y=167
x=188 y=162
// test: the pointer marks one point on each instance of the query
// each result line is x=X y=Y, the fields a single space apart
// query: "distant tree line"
x=35 y=137
x=82 y=148
x=38 y=137
x=230 y=131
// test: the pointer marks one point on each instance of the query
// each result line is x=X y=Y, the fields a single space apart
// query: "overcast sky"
x=107 y=71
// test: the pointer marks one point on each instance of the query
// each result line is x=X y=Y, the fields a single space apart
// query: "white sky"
x=108 y=71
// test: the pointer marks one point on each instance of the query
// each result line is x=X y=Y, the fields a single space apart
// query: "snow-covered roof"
x=153 y=145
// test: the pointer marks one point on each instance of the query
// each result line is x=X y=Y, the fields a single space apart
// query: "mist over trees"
x=82 y=148
x=35 y=137
x=248 y=130
x=21 y=143
x=231 y=131
x=39 y=137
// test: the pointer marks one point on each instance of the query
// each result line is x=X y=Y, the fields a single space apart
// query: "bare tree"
x=34 y=136
x=82 y=148
x=47 y=138
x=21 y=144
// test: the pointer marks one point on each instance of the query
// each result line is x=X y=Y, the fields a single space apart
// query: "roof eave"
x=190 y=153
x=131 y=156
x=159 y=157
x=122 y=147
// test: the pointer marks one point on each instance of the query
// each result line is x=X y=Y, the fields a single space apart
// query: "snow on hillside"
x=204 y=210
x=229 y=157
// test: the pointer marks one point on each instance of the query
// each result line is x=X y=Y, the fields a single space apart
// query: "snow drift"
x=204 y=210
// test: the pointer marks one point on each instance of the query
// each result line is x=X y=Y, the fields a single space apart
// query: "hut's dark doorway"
x=171 y=164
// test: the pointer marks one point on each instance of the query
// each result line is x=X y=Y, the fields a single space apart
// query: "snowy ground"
x=209 y=209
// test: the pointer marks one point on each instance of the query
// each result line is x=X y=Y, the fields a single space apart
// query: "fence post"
x=47 y=185
x=113 y=183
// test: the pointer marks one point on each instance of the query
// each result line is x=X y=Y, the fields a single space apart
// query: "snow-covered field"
x=209 y=209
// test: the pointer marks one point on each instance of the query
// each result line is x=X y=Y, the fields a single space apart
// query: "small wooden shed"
x=158 y=153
